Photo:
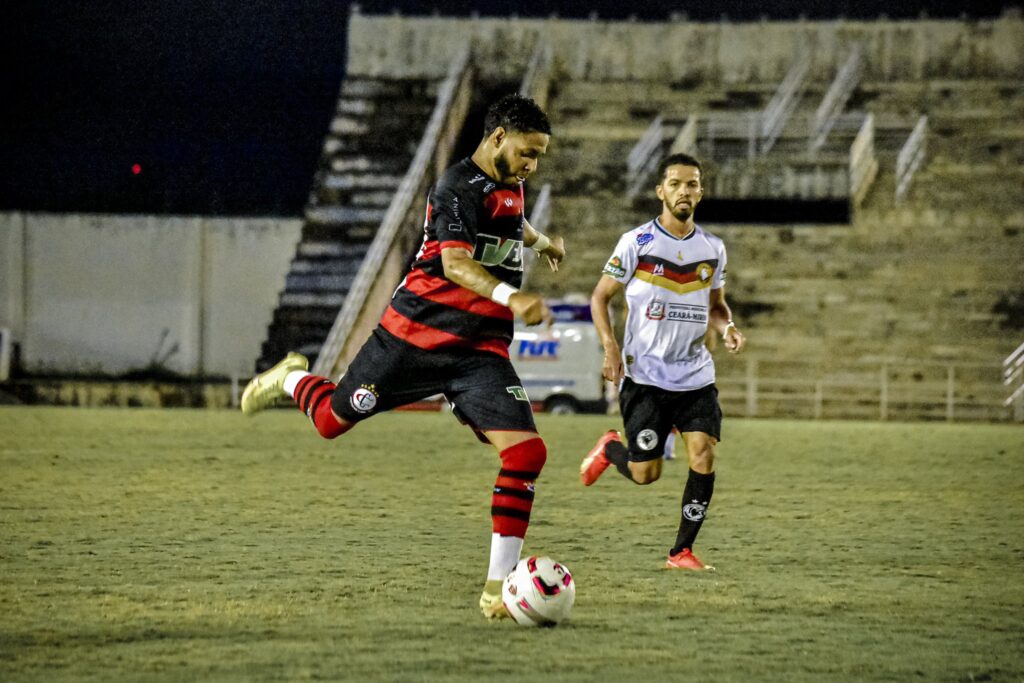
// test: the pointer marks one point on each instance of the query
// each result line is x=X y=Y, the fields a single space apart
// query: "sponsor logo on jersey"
x=364 y=399
x=656 y=310
x=647 y=439
x=495 y=251
x=455 y=227
x=644 y=238
x=687 y=313
x=518 y=392
x=614 y=267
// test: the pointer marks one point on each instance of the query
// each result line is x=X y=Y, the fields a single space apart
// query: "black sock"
x=696 y=498
x=619 y=456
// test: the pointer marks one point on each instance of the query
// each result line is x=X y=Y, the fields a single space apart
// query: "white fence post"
x=950 y=392
x=751 y=387
x=883 y=394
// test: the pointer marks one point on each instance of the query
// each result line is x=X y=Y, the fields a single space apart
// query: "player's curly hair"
x=678 y=159
x=516 y=113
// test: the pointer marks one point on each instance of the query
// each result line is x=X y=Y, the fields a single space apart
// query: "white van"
x=560 y=366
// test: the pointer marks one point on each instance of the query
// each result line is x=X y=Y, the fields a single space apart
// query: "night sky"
x=220 y=107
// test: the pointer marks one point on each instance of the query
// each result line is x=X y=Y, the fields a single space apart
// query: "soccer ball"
x=539 y=592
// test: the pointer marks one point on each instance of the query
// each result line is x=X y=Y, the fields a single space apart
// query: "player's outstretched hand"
x=555 y=252
x=530 y=308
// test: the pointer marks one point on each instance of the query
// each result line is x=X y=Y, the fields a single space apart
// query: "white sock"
x=505 y=552
x=291 y=381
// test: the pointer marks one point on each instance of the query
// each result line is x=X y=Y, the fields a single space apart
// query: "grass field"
x=189 y=545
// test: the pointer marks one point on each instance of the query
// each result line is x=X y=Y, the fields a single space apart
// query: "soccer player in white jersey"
x=673 y=274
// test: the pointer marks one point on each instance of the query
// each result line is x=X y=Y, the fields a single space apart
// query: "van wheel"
x=563 y=405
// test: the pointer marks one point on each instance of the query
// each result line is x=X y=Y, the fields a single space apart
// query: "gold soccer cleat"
x=264 y=389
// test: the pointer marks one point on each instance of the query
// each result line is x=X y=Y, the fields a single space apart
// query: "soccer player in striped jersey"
x=449 y=326
x=673 y=275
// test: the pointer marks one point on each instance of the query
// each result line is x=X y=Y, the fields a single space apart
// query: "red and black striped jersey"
x=470 y=210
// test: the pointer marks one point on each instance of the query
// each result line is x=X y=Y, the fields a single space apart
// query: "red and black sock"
x=696 y=498
x=313 y=396
x=512 y=500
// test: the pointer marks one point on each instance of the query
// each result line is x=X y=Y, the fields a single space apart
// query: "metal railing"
x=835 y=98
x=401 y=204
x=686 y=139
x=537 y=80
x=910 y=158
x=643 y=158
x=894 y=390
x=540 y=218
x=1013 y=377
x=863 y=164
x=778 y=110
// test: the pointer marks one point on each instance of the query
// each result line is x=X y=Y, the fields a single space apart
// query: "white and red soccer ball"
x=539 y=592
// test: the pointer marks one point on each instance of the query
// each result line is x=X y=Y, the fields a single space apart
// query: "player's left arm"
x=554 y=250
x=720 y=320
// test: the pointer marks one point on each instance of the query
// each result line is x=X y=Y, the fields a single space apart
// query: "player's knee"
x=702 y=459
x=328 y=424
x=526 y=456
x=645 y=473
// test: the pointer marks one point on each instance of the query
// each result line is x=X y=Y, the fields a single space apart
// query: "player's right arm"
x=460 y=268
x=604 y=292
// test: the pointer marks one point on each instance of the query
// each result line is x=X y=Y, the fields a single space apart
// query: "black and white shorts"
x=483 y=387
x=649 y=413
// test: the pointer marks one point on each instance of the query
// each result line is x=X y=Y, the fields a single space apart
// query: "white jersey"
x=668 y=290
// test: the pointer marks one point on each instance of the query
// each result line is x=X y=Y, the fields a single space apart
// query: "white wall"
x=111 y=294
x=724 y=52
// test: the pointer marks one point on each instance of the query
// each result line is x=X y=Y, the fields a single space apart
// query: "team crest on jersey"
x=364 y=399
x=495 y=251
x=705 y=271
x=644 y=238
x=656 y=310
x=614 y=267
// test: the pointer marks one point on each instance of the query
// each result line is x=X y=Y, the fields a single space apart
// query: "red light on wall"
x=136 y=169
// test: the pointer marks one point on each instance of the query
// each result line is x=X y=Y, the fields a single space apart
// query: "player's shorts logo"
x=518 y=392
x=694 y=511
x=647 y=439
x=363 y=399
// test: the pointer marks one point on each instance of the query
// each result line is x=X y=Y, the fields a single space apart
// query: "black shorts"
x=649 y=413
x=483 y=388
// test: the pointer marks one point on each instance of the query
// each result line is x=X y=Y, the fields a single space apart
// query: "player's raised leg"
x=311 y=393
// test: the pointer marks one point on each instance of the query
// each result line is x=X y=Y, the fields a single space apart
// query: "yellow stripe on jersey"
x=672 y=285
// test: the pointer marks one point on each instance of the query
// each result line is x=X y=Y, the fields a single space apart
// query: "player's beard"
x=683 y=213
x=504 y=170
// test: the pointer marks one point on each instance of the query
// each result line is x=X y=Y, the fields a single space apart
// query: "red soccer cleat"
x=685 y=559
x=596 y=461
